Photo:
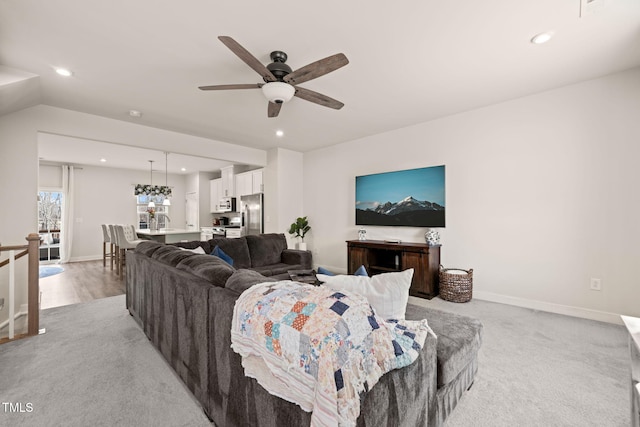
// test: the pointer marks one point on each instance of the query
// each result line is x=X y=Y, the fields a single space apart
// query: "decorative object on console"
x=456 y=285
x=432 y=237
x=414 y=198
x=362 y=234
x=299 y=229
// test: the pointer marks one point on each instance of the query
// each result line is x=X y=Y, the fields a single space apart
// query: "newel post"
x=33 y=316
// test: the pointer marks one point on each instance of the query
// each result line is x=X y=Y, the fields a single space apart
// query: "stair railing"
x=33 y=309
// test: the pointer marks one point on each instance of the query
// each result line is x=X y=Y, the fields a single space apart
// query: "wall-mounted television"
x=412 y=198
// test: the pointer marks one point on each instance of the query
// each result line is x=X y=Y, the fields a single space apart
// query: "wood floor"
x=79 y=282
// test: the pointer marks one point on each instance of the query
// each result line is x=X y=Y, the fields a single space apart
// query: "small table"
x=633 y=327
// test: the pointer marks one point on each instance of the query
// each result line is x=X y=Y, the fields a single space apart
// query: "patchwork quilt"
x=319 y=348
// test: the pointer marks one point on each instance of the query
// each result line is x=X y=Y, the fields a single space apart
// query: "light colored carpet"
x=94 y=366
x=543 y=369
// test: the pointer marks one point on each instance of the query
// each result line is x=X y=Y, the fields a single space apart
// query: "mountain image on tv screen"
x=413 y=198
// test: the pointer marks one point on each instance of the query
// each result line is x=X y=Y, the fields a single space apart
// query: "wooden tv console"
x=379 y=256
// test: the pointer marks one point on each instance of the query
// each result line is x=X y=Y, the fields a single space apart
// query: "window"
x=160 y=212
x=49 y=224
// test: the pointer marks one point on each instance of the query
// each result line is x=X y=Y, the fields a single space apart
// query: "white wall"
x=18 y=195
x=105 y=195
x=541 y=195
x=283 y=188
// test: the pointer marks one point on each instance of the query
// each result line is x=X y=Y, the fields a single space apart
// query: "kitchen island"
x=168 y=235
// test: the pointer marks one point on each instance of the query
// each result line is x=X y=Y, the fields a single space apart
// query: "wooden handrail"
x=20 y=255
x=33 y=281
x=13 y=248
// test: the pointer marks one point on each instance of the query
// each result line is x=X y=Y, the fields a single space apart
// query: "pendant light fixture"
x=151 y=204
x=166 y=201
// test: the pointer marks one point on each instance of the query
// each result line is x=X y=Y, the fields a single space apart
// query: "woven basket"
x=456 y=285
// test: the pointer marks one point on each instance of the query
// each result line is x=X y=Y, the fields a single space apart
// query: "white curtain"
x=68 y=217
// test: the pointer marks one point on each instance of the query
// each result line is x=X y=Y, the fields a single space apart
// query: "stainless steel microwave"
x=227 y=204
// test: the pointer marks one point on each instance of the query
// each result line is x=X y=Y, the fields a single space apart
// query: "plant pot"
x=302 y=246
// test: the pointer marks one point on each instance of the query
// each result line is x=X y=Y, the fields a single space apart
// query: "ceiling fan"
x=280 y=82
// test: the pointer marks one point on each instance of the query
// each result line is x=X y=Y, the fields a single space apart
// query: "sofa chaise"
x=184 y=303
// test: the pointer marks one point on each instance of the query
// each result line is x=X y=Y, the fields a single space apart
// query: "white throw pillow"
x=197 y=250
x=388 y=293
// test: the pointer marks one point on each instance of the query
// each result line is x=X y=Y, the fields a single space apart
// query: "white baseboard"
x=567 y=310
x=23 y=311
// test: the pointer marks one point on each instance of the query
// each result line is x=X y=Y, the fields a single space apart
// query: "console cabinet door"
x=357 y=257
x=420 y=284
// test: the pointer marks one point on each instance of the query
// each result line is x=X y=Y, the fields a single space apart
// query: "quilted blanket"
x=319 y=348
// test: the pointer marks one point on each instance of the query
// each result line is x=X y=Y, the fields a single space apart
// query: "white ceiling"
x=410 y=61
x=64 y=149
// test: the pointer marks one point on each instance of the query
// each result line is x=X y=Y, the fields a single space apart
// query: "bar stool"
x=106 y=239
x=126 y=240
x=116 y=247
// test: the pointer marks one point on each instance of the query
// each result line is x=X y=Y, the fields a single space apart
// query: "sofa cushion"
x=148 y=247
x=459 y=339
x=266 y=249
x=236 y=249
x=171 y=255
x=243 y=279
x=212 y=269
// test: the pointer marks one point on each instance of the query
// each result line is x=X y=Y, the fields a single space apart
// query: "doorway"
x=50 y=224
x=191 y=211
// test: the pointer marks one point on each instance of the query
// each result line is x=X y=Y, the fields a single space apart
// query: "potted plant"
x=299 y=229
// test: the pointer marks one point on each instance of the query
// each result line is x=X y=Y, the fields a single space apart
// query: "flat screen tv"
x=412 y=198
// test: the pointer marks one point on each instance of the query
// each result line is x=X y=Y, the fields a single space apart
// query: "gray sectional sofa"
x=184 y=303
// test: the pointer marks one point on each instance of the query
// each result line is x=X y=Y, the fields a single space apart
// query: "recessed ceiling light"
x=183 y=169
x=64 y=72
x=542 y=37
x=279 y=133
x=103 y=160
x=135 y=113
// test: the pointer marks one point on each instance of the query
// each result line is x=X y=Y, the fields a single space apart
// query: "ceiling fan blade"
x=317 y=69
x=248 y=58
x=318 y=98
x=274 y=109
x=225 y=87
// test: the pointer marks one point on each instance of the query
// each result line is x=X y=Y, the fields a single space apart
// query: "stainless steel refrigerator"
x=252 y=211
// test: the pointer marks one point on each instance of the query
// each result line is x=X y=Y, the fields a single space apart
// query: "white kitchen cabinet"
x=215 y=188
x=256 y=179
x=244 y=184
x=228 y=182
x=249 y=183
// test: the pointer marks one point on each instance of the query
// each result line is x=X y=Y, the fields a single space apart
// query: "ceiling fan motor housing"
x=278 y=67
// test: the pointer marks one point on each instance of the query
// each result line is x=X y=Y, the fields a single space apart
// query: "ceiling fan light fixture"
x=278 y=92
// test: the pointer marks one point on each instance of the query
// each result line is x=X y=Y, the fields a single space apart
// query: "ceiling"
x=69 y=150
x=410 y=61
